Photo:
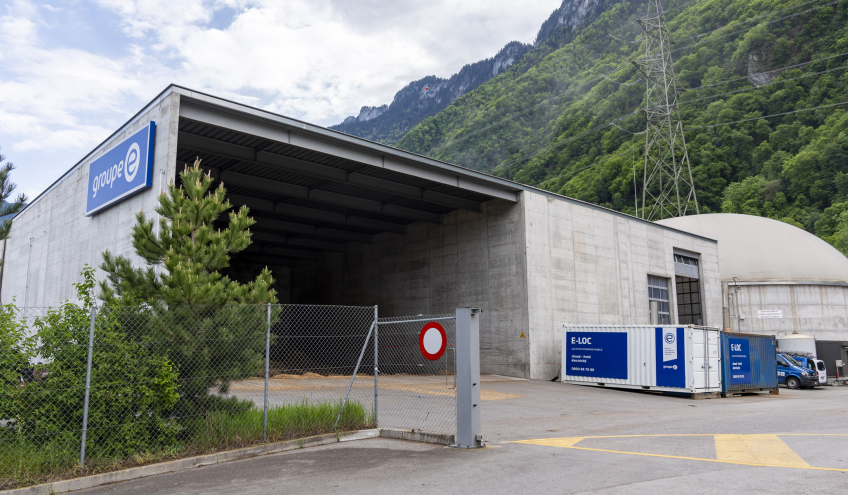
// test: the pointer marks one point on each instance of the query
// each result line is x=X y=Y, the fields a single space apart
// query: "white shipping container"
x=671 y=358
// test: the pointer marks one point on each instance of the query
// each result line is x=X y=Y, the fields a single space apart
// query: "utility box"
x=749 y=363
x=683 y=359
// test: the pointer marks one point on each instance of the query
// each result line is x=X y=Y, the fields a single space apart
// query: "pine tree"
x=190 y=250
x=212 y=328
x=6 y=189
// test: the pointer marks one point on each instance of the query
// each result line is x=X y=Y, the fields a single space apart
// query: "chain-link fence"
x=416 y=392
x=86 y=391
x=92 y=390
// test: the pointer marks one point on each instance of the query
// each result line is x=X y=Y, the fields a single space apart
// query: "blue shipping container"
x=749 y=363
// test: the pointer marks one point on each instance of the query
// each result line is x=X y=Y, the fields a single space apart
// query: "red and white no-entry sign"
x=432 y=341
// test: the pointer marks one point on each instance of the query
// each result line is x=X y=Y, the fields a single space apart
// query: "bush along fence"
x=87 y=389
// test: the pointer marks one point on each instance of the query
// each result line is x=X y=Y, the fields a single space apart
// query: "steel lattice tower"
x=668 y=189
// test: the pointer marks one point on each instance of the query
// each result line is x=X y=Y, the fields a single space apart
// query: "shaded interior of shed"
x=308 y=204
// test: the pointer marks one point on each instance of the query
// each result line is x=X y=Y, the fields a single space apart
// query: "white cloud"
x=317 y=60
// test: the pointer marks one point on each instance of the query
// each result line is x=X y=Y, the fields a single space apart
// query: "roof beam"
x=320 y=196
x=265 y=237
x=315 y=214
x=290 y=253
x=315 y=243
x=344 y=235
x=301 y=228
x=266 y=260
x=243 y=153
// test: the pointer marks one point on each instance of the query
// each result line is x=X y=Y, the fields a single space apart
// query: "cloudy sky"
x=72 y=71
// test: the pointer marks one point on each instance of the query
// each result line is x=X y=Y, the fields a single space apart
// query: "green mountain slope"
x=571 y=122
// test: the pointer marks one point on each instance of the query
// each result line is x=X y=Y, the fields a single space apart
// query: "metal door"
x=705 y=358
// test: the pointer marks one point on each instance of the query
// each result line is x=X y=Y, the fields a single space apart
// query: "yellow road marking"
x=756 y=449
x=553 y=442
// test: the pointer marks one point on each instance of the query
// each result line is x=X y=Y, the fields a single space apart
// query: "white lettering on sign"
x=736 y=347
x=770 y=313
x=581 y=340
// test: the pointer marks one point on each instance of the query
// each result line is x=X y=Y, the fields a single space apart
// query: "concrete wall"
x=473 y=259
x=532 y=267
x=817 y=310
x=64 y=239
x=586 y=266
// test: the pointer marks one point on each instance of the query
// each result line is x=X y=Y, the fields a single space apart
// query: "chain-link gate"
x=414 y=392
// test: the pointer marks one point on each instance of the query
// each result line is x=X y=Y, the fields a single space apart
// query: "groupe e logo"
x=126 y=168
x=669 y=338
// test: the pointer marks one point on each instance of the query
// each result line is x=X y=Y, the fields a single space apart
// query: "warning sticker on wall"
x=770 y=313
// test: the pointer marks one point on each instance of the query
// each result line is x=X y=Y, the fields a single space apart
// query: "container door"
x=699 y=358
x=705 y=359
x=713 y=360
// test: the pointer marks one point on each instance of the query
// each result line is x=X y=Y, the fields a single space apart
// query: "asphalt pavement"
x=548 y=437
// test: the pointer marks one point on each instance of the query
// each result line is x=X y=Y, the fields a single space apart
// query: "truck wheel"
x=793 y=383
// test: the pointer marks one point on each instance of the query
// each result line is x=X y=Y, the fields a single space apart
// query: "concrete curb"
x=231 y=455
x=418 y=436
x=190 y=462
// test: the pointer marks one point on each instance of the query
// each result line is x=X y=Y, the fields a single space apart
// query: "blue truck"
x=792 y=374
x=814 y=364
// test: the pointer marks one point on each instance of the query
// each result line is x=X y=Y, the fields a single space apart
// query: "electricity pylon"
x=668 y=189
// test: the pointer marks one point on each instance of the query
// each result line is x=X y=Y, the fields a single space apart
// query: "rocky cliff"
x=425 y=97
x=430 y=95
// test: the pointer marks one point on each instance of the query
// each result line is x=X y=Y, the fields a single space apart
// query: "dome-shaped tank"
x=797 y=342
x=753 y=248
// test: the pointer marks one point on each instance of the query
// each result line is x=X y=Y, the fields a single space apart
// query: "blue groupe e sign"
x=671 y=357
x=740 y=361
x=123 y=171
x=596 y=354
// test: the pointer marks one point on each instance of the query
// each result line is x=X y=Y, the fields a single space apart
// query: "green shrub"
x=133 y=390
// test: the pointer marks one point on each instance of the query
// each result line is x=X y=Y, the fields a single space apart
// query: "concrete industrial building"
x=776 y=278
x=342 y=220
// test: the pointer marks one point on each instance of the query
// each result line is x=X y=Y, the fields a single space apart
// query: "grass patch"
x=26 y=461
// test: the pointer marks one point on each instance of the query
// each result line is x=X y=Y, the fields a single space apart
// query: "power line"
x=564 y=92
x=769 y=116
x=762 y=16
x=512 y=116
x=770 y=71
x=571 y=139
x=741 y=90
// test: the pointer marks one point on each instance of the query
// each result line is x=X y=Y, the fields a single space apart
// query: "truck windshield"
x=792 y=361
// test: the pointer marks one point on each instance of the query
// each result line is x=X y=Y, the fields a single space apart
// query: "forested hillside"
x=764 y=107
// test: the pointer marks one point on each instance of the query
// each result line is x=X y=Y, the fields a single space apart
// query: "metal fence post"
x=468 y=378
x=352 y=378
x=87 y=386
x=267 y=366
x=376 y=369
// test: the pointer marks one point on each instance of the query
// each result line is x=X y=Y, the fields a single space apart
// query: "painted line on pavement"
x=762 y=450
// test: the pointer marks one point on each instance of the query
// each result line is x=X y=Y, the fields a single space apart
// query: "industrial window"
x=685 y=260
x=686 y=266
x=658 y=300
x=689 y=301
